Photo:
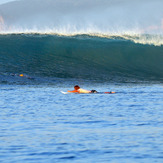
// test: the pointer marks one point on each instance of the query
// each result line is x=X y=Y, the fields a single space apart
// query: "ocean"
x=40 y=124
x=49 y=46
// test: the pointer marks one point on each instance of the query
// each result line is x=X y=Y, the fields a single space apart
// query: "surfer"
x=77 y=89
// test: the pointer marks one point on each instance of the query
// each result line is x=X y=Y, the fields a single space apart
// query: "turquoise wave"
x=79 y=57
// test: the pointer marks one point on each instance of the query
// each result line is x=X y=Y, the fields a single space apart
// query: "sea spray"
x=83 y=17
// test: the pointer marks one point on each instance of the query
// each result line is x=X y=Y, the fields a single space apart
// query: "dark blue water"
x=39 y=124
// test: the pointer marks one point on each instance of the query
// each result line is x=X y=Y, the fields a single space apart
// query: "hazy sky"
x=85 y=16
x=4 y=1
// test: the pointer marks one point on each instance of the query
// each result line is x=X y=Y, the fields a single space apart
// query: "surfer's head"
x=76 y=87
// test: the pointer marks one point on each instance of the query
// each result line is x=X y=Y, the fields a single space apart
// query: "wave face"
x=79 y=57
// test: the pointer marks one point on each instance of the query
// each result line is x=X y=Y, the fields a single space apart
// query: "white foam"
x=133 y=35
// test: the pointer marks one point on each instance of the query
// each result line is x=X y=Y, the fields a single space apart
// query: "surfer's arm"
x=74 y=91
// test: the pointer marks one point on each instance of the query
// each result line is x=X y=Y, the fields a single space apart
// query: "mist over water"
x=103 y=17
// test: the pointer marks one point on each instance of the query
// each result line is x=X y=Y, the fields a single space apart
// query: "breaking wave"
x=79 y=57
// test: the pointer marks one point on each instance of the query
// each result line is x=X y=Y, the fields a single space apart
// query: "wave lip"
x=149 y=39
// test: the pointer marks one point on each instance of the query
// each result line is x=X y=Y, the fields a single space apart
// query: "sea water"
x=50 y=46
x=40 y=124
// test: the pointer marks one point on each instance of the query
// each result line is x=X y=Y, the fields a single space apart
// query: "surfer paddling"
x=77 y=89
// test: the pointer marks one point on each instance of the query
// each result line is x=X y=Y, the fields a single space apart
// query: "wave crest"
x=149 y=39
